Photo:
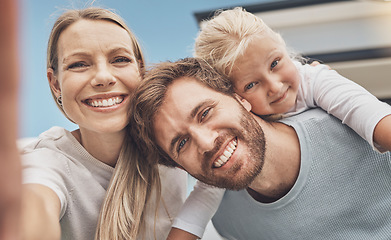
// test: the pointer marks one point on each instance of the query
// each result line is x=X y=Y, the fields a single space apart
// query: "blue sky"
x=165 y=28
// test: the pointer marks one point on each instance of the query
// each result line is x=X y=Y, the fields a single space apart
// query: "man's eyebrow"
x=193 y=114
x=197 y=108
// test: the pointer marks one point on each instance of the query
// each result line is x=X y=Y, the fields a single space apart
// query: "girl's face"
x=266 y=77
x=97 y=74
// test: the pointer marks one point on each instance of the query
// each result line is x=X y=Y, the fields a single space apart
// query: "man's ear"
x=244 y=102
x=53 y=82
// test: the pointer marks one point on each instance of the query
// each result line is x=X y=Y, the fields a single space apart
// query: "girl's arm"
x=351 y=103
x=196 y=212
x=40 y=213
x=382 y=133
x=180 y=234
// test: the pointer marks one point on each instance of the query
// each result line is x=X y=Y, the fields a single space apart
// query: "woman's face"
x=97 y=74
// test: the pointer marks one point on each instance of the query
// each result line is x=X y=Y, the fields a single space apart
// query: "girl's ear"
x=244 y=102
x=53 y=82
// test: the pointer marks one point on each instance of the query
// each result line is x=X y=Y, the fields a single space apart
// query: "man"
x=306 y=177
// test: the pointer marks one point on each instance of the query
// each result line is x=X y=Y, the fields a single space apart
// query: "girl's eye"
x=182 y=144
x=274 y=64
x=249 y=86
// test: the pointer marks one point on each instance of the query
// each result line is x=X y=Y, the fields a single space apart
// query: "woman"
x=94 y=63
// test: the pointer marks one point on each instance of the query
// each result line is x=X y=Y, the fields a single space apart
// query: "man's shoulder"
x=308 y=115
x=316 y=124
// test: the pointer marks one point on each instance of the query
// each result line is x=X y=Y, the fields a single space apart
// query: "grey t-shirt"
x=343 y=190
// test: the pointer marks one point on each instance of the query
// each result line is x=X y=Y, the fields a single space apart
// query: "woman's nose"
x=103 y=77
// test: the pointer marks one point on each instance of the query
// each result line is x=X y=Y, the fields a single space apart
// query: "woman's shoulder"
x=173 y=182
x=47 y=142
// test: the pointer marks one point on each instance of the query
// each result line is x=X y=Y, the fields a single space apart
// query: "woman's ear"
x=53 y=82
x=244 y=102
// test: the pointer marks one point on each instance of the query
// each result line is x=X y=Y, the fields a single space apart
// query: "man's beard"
x=244 y=171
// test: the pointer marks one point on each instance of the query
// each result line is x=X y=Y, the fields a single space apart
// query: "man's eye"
x=182 y=144
x=205 y=113
x=274 y=64
x=249 y=86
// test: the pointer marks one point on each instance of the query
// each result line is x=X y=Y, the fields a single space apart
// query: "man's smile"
x=227 y=153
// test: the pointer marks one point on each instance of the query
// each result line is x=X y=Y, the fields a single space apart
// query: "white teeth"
x=227 y=154
x=231 y=147
x=105 y=102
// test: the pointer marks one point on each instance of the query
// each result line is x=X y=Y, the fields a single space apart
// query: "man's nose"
x=205 y=138
x=103 y=76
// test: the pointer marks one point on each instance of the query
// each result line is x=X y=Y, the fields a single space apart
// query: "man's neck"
x=282 y=163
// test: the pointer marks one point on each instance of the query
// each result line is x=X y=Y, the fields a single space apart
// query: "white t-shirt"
x=319 y=87
x=57 y=160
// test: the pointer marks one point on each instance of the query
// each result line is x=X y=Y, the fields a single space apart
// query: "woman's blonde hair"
x=123 y=210
x=226 y=36
x=133 y=183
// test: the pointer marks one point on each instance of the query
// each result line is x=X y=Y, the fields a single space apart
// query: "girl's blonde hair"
x=123 y=210
x=226 y=36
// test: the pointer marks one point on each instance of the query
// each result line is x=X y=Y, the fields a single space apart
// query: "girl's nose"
x=274 y=87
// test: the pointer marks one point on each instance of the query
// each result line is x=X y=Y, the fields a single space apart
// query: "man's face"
x=210 y=135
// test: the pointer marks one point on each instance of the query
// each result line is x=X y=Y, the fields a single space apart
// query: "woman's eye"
x=274 y=64
x=249 y=86
x=122 y=60
x=77 y=65
x=182 y=144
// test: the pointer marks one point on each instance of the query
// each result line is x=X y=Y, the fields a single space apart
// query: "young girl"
x=94 y=64
x=256 y=61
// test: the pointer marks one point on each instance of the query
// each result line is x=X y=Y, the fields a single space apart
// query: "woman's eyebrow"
x=75 y=54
